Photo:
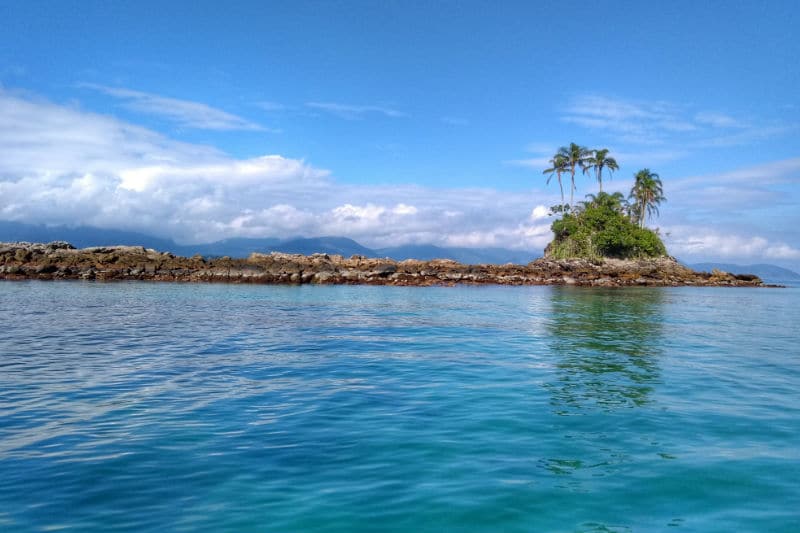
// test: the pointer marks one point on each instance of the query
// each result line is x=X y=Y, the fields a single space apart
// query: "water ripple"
x=160 y=407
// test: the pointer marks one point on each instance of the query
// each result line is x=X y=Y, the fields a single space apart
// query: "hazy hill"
x=83 y=236
x=237 y=247
x=769 y=273
x=328 y=245
x=472 y=256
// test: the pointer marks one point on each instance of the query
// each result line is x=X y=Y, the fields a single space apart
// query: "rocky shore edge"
x=62 y=261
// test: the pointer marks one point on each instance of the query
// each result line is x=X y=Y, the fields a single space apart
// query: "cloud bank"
x=708 y=243
x=60 y=164
x=64 y=165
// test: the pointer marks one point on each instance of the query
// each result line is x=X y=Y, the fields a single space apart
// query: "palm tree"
x=574 y=156
x=647 y=193
x=559 y=167
x=598 y=160
x=615 y=201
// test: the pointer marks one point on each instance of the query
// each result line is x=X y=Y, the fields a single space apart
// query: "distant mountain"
x=324 y=245
x=423 y=252
x=84 y=236
x=768 y=273
x=238 y=247
x=473 y=256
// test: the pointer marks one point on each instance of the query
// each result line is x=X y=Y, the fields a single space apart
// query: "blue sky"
x=395 y=122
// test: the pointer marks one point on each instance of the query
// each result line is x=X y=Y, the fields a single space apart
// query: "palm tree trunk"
x=600 y=178
x=642 y=214
x=572 y=188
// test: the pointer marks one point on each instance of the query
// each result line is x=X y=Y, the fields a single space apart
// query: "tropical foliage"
x=604 y=225
x=572 y=157
x=599 y=160
x=559 y=167
x=646 y=195
x=601 y=227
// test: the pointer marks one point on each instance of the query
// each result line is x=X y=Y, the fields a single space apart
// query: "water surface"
x=166 y=407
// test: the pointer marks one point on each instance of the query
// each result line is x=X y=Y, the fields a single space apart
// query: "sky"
x=398 y=122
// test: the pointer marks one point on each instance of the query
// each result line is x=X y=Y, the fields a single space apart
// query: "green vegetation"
x=572 y=156
x=559 y=167
x=646 y=194
x=598 y=161
x=605 y=225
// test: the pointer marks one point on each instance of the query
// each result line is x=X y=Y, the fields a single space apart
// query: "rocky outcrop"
x=60 y=260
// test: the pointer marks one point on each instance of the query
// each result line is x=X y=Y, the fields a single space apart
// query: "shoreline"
x=61 y=261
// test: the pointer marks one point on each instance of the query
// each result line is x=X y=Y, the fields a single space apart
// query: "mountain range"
x=85 y=236
x=769 y=273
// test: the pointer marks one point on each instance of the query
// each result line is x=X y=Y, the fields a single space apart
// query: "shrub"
x=600 y=228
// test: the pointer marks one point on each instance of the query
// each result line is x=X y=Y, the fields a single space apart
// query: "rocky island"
x=602 y=241
x=60 y=260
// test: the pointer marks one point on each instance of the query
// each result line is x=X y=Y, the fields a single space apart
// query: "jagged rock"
x=60 y=260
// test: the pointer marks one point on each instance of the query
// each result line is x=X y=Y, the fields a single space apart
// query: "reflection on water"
x=167 y=407
x=606 y=343
x=605 y=347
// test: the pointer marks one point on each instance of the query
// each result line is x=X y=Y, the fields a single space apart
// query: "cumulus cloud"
x=534 y=236
x=540 y=212
x=185 y=113
x=63 y=165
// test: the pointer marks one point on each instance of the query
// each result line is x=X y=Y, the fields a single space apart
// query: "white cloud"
x=717 y=120
x=648 y=158
x=699 y=243
x=185 y=113
x=758 y=187
x=403 y=209
x=535 y=163
x=235 y=173
x=658 y=122
x=354 y=112
x=41 y=137
x=540 y=212
x=747 y=136
x=64 y=165
x=529 y=237
x=782 y=251
x=541 y=148
x=632 y=120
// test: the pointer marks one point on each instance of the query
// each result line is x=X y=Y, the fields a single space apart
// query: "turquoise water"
x=222 y=408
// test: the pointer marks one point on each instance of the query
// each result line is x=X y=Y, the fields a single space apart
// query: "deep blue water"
x=223 y=408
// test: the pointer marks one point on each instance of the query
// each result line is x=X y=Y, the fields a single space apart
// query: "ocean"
x=235 y=408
